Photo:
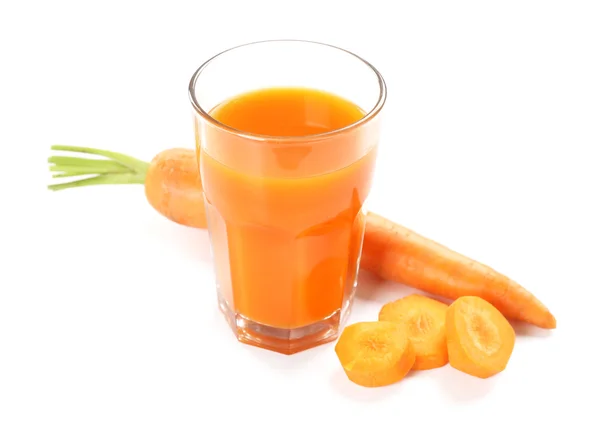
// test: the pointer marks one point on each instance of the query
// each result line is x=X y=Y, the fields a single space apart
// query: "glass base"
x=285 y=341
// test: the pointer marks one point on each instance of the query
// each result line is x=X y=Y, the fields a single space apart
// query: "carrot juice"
x=289 y=243
x=286 y=172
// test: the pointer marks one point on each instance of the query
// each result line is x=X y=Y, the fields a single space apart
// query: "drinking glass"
x=286 y=213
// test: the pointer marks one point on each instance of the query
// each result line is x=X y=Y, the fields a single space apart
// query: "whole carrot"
x=391 y=251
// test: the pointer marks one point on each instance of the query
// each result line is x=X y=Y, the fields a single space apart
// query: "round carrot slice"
x=480 y=338
x=425 y=321
x=375 y=354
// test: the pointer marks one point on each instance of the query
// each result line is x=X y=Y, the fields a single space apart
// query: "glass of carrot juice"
x=286 y=138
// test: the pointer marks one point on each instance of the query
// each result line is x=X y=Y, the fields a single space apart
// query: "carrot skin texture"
x=396 y=253
x=174 y=189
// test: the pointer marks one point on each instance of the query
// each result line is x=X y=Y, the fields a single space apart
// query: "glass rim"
x=258 y=137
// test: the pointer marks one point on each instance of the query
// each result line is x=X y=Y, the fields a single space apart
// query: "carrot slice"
x=425 y=321
x=375 y=354
x=480 y=338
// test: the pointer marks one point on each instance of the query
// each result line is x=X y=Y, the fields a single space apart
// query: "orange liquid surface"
x=286 y=221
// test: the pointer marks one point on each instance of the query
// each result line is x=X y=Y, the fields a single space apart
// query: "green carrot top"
x=116 y=169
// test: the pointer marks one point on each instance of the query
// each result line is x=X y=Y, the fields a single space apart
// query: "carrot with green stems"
x=171 y=180
x=174 y=188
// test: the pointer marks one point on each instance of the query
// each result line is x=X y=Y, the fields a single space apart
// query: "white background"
x=108 y=319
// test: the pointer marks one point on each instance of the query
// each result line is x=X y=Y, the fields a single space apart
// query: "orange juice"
x=284 y=196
